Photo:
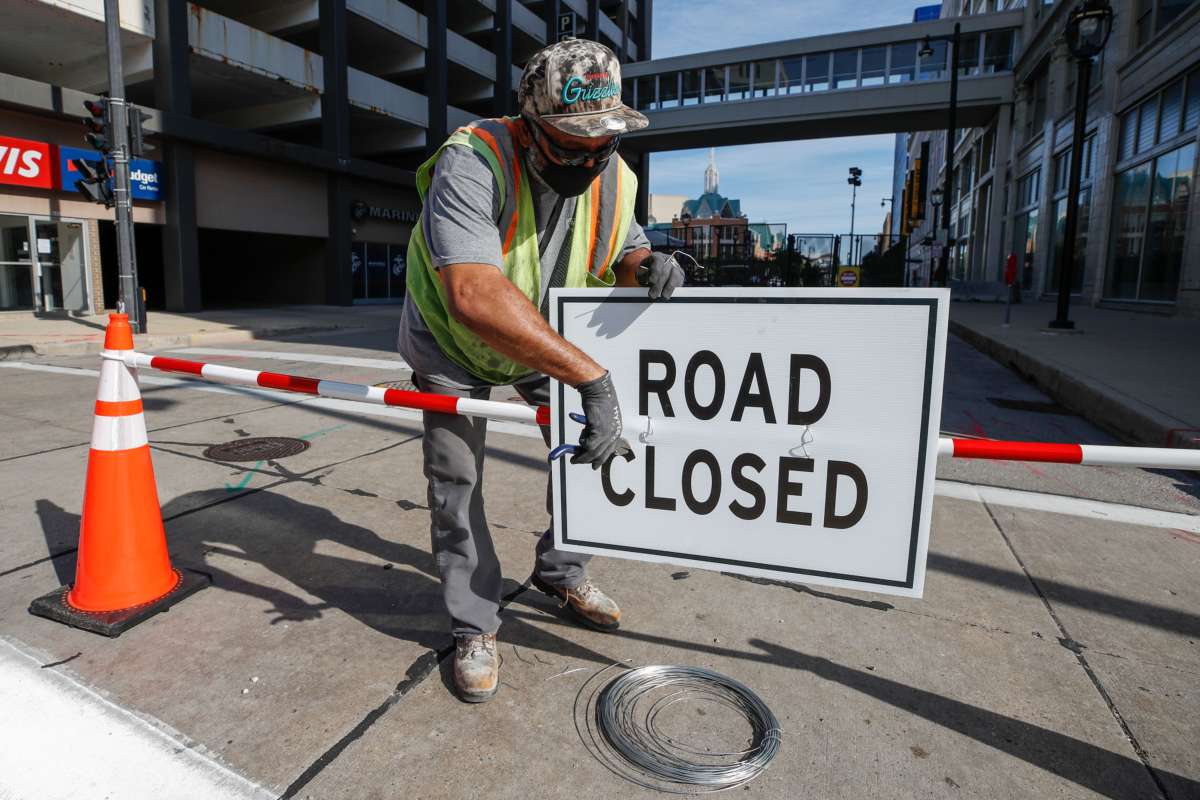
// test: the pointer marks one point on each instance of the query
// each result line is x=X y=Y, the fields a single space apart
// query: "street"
x=1053 y=654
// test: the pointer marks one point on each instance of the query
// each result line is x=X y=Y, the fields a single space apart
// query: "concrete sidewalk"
x=24 y=334
x=1134 y=374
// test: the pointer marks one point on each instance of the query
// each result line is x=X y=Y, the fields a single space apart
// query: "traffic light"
x=137 y=137
x=99 y=125
x=94 y=182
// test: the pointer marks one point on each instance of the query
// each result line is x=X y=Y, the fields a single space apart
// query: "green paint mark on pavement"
x=245 y=479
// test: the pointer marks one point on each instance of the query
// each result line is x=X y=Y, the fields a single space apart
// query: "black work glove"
x=662 y=274
x=601 y=438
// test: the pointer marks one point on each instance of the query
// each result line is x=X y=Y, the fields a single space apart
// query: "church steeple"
x=711 y=176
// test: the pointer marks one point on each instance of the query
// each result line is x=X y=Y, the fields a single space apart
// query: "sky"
x=800 y=183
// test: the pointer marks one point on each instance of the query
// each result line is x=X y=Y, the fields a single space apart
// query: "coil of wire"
x=627 y=716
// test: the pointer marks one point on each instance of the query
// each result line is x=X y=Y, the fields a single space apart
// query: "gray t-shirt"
x=460 y=222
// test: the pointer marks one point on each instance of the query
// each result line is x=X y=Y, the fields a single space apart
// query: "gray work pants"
x=462 y=542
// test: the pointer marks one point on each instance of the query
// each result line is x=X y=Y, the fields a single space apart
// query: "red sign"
x=1010 y=270
x=25 y=163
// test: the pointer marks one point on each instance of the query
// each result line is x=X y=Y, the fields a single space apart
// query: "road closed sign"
x=781 y=433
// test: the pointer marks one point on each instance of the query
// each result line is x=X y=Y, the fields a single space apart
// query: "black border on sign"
x=914 y=534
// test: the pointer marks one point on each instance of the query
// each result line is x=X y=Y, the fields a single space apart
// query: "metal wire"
x=627 y=719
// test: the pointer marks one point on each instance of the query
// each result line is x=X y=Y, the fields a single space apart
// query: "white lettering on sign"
x=24 y=162
x=788 y=434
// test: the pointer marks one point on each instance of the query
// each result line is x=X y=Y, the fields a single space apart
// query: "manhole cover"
x=256 y=448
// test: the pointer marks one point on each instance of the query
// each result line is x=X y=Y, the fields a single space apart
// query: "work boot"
x=476 y=667
x=588 y=604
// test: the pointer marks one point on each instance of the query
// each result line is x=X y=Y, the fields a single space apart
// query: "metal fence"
x=764 y=254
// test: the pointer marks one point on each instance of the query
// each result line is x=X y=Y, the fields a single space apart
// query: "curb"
x=1123 y=416
x=153 y=341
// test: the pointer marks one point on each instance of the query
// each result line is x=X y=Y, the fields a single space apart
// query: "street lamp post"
x=1088 y=28
x=935 y=197
x=855 y=181
x=951 y=134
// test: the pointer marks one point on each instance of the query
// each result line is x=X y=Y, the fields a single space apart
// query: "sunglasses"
x=573 y=158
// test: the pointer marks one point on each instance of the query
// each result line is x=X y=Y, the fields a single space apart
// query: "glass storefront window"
x=1081 y=235
x=1025 y=243
x=1146 y=124
x=904 y=62
x=1129 y=228
x=1191 y=113
x=1166 y=225
x=816 y=70
x=378 y=271
x=1150 y=209
x=1170 y=113
x=845 y=69
x=16 y=263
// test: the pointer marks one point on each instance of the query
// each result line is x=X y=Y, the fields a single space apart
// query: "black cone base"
x=113 y=623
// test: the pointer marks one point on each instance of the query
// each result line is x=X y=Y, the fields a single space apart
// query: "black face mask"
x=569 y=181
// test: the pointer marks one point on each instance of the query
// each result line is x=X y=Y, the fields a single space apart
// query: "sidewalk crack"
x=1130 y=737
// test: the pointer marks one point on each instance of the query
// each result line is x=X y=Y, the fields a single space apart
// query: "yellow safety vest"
x=602 y=217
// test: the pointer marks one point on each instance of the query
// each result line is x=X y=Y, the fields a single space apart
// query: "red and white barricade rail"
x=1087 y=454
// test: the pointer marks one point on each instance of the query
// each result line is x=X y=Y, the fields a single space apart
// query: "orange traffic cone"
x=123 y=574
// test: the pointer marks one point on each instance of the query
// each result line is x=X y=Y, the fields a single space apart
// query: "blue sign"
x=144 y=175
x=926 y=13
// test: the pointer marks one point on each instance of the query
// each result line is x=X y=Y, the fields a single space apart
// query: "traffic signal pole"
x=129 y=301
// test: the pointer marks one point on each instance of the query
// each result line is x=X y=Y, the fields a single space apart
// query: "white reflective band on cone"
x=119 y=433
x=118 y=381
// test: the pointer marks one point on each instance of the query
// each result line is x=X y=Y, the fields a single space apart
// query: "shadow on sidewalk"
x=393 y=587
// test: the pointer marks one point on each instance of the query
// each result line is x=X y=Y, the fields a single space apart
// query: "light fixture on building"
x=926 y=48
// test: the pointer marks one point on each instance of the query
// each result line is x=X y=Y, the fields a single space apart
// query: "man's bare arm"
x=482 y=299
x=626 y=268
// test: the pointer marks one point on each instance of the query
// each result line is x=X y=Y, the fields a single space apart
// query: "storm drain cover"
x=256 y=448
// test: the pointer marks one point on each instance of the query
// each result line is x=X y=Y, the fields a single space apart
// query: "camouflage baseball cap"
x=575 y=86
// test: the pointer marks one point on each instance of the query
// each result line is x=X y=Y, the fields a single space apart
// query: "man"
x=512 y=208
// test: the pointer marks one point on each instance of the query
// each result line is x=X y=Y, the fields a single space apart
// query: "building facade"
x=286 y=136
x=1138 y=243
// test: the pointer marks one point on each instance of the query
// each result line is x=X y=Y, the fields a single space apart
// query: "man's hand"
x=601 y=438
x=662 y=274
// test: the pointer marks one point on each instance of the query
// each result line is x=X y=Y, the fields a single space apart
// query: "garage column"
x=173 y=94
x=335 y=137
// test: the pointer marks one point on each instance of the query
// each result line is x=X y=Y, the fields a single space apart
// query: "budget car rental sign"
x=782 y=433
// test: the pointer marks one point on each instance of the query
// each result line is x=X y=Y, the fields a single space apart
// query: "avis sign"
x=25 y=163
x=782 y=433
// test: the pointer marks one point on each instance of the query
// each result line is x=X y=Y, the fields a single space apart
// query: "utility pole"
x=130 y=302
